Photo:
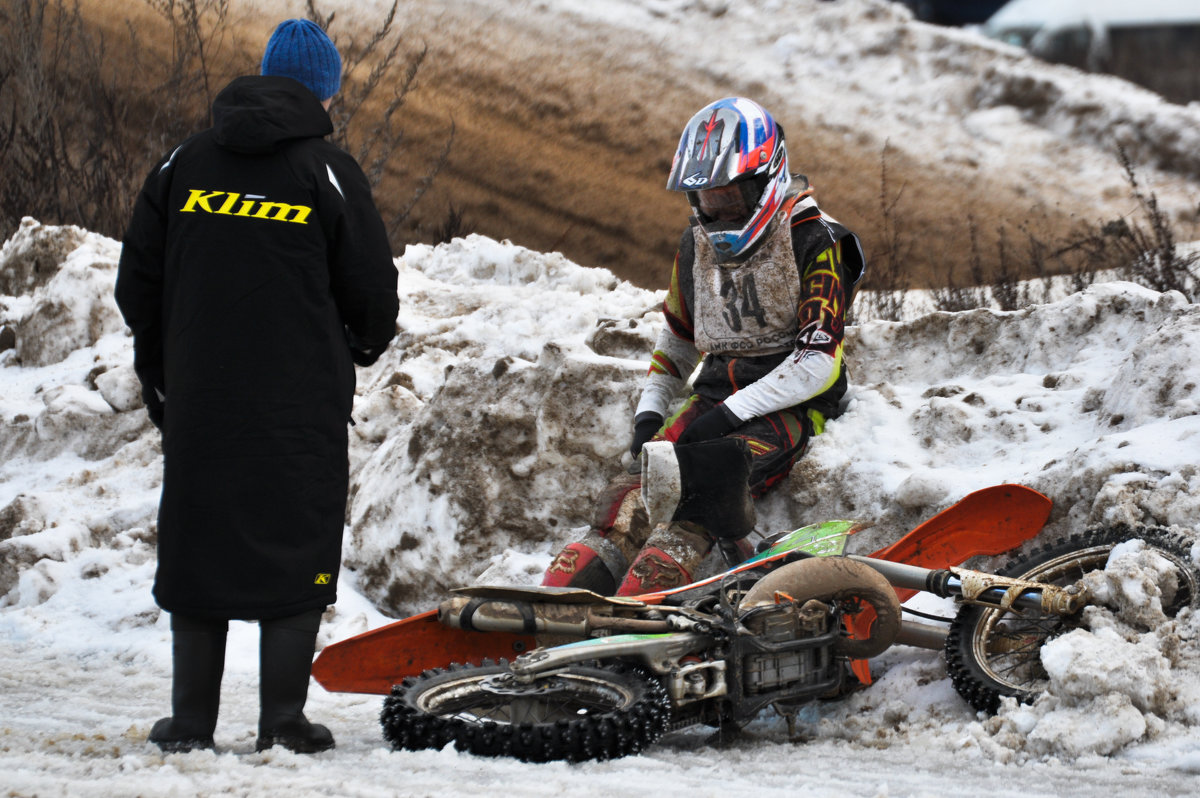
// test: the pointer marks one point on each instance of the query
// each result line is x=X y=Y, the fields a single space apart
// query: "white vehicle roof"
x=1058 y=14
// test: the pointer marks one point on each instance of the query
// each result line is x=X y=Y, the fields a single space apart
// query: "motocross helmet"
x=732 y=164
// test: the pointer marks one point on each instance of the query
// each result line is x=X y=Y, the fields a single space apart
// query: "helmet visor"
x=724 y=203
x=730 y=204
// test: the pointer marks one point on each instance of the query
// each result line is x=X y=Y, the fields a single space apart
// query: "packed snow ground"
x=481 y=436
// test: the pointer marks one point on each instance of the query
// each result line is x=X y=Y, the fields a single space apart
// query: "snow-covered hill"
x=482 y=436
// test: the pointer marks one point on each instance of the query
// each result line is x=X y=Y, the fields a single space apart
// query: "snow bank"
x=510 y=376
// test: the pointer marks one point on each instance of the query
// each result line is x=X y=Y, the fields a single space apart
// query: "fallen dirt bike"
x=544 y=674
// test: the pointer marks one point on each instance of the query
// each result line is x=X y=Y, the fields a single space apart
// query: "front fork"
x=976 y=587
x=973 y=587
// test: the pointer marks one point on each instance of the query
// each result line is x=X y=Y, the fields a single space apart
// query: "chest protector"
x=747 y=308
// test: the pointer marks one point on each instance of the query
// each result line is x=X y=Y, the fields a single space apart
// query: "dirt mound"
x=564 y=125
x=564 y=138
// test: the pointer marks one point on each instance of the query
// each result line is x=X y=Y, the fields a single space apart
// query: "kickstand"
x=790 y=715
x=790 y=718
x=726 y=735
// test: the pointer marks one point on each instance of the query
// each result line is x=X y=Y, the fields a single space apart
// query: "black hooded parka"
x=255 y=271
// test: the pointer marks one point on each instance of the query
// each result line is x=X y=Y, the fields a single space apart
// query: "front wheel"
x=991 y=654
x=575 y=714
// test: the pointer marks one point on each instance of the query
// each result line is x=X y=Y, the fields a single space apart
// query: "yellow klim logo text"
x=322 y=579
x=252 y=206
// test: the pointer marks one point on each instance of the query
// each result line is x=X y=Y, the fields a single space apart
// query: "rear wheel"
x=578 y=713
x=991 y=654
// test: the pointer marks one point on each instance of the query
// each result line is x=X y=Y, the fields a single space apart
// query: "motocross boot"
x=198 y=662
x=618 y=532
x=582 y=564
x=285 y=664
x=669 y=559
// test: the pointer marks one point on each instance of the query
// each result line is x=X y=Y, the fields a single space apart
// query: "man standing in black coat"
x=255 y=273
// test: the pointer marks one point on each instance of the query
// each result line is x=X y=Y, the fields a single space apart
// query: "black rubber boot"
x=198 y=661
x=285 y=665
x=715 y=477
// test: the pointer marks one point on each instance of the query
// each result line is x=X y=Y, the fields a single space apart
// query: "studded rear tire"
x=576 y=714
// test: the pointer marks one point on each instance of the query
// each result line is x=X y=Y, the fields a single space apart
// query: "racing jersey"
x=769 y=330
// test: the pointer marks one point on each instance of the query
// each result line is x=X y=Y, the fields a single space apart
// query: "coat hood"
x=255 y=114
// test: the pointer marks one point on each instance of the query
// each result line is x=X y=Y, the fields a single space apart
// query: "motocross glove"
x=644 y=427
x=716 y=423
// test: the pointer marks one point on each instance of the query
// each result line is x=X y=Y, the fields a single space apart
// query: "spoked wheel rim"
x=1009 y=646
x=992 y=655
x=501 y=698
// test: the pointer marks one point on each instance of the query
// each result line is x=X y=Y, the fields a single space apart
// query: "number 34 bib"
x=747 y=308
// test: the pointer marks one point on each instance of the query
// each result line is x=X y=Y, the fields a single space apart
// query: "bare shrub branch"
x=376 y=142
x=1005 y=283
x=77 y=135
x=971 y=294
x=886 y=281
x=454 y=225
x=199 y=29
x=1144 y=251
x=58 y=112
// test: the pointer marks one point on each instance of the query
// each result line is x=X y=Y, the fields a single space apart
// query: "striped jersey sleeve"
x=675 y=355
x=816 y=363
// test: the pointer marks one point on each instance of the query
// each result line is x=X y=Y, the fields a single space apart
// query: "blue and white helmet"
x=732 y=142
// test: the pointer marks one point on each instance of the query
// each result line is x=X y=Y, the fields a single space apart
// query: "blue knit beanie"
x=300 y=50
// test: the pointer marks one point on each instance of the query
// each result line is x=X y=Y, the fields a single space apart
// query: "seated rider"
x=760 y=286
